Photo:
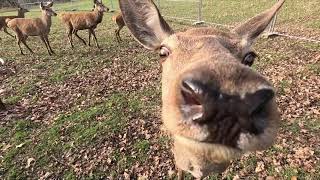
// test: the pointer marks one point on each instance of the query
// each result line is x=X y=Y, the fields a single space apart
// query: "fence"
x=297 y=19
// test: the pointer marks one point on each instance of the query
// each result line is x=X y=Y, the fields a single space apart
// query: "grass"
x=86 y=113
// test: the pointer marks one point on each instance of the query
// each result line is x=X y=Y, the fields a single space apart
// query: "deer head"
x=99 y=6
x=211 y=101
x=47 y=9
x=22 y=10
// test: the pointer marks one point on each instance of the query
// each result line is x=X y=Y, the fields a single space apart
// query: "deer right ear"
x=251 y=29
x=41 y=5
x=143 y=19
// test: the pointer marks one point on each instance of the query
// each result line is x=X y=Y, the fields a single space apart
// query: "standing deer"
x=119 y=21
x=84 y=20
x=34 y=27
x=3 y=25
x=214 y=107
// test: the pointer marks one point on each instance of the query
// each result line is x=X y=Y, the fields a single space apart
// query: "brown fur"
x=83 y=20
x=119 y=21
x=5 y=19
x=24 y=27
x=215 y=107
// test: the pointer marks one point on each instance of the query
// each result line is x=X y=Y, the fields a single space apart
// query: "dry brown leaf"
x=29 y=161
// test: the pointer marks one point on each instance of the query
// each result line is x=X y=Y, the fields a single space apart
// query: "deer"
x=119 y=21
x=24 y=27
x=84 y=20
x=3 y=24
x=214 y=105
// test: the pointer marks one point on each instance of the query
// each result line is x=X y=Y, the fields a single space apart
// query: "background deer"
x=119 y=21
x=84 y=20
x=215 y=107
x=3 y=25
x=34 y=27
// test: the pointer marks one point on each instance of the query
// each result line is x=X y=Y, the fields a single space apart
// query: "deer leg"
x=44 y=41
x=70 y=37
x=89 y=38
x=2 y=106
x=19 y=44
x=23 y=40
x=5 y=30
x=95 y=38
x=75 y=32
x=180 y=174
x=47 y=40
x=118 y=33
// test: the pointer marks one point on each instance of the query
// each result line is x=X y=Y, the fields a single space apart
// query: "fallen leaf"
x=29 y=161
x=20 y=145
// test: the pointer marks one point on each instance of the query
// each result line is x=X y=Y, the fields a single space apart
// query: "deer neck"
x=46 y=20
x=99 y=16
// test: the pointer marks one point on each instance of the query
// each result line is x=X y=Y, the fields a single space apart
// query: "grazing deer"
x=119 y=21
x=84 y=20
x=214 y=107
x=3 y=25
x=34 y=27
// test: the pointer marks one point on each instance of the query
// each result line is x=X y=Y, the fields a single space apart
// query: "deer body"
x=119 y=21
x=84 y=20
x=34 y=27
x=3 y=19
x=214 y=105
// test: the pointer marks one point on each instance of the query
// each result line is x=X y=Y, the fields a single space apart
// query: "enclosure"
x=91 y=114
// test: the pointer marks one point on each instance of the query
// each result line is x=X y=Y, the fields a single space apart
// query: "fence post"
x=159 y=7
x=272 y=24
x=200 y=21
x=111 y=6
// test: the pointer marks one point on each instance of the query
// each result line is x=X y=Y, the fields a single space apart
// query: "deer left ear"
x=251 y=29
x=41 y=5
x=145 y=22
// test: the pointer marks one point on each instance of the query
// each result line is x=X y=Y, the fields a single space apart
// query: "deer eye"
x=164 y=52
x=249 y=58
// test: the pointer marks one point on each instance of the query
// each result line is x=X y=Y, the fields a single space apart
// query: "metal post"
x=272 y=24
x=111 y=6
x=159 y=7
x=200 y=21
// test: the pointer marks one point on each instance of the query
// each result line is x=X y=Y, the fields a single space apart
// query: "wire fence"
x=297 y=19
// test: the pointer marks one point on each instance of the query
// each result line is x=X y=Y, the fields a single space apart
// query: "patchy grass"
x=95 y=114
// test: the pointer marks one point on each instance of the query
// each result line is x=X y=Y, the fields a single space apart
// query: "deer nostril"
x=192 y=91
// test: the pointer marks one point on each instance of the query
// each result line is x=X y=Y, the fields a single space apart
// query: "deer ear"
x=251 y=29
x=143 y=19
x=41 y=5
x=50 y=4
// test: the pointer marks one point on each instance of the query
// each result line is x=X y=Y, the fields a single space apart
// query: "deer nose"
x=205 y=103
x=196 y=96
